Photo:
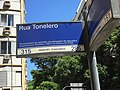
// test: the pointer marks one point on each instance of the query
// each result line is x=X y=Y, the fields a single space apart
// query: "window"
x=6 y=20
x=6 y=89
x=3 y=79
x=5 y=47
x=18 y=78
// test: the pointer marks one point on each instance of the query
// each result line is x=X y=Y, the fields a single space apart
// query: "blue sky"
x=49 y=11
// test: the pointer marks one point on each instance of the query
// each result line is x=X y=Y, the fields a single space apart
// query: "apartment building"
x=12 y=69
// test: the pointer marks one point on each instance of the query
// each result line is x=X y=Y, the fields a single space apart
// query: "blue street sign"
x=98 y=10
x=49 y=38
x=100 y=22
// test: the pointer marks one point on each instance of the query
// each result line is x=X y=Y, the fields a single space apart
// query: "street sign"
x=50 y=39
x=103 y=17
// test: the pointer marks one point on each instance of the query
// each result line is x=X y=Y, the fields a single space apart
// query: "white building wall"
x=15 y=76
x=16 y=61
x=14 y=4
x=16 y=16
x=11 y=79
x=12 y=31
x=12 y=75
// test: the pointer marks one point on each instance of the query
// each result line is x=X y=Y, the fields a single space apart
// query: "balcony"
x=6 y=5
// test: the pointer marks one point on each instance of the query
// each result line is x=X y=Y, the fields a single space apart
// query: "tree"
x=45 y=70
x=67 y=69
x=111 y=79
x=47 y=85
x=61 y=70
x=30 y=86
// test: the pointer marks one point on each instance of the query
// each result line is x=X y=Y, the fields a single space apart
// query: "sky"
x=49 y=11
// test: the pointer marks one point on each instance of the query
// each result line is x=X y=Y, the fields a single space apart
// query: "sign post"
x=99 y=22
x=94 y=78
x=49 y=39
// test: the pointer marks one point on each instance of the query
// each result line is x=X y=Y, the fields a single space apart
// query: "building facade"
x=12 y=70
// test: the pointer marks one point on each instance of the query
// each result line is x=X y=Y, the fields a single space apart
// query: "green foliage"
x=68 y=70
x=47 y=85
x=45 y=70
x=108 y=65
x=30 y=86
x=61 y=71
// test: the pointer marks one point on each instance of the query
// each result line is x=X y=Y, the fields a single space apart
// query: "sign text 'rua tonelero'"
x=38 y=27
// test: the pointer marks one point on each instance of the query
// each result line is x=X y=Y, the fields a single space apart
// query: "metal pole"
x=95 y=85
x=94 y=78
x=95 y=75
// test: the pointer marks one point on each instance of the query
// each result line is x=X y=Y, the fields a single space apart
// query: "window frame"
x=7 y=19
x=5 y=47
